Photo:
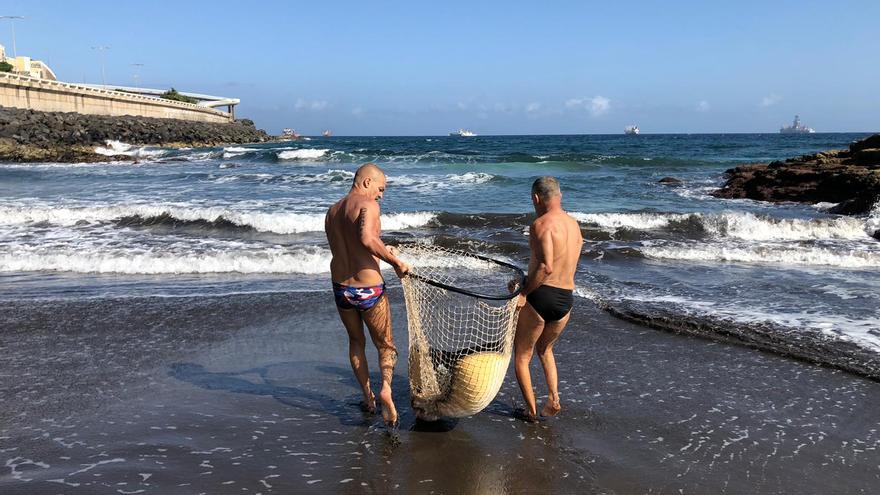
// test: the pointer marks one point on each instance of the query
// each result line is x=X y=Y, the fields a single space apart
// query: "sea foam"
x=301 y=154
x=181 y=258
x=775 y=254
x=277 y=222
x=118 y=148
x=302 y=261
x=738 y=225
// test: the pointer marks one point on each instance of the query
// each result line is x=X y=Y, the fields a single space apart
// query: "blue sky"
x=414 y=68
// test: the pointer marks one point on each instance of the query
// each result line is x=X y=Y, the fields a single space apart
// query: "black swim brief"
x=551 y=303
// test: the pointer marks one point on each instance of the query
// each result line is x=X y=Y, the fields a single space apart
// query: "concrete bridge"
x=206 y=101
x=19 y=91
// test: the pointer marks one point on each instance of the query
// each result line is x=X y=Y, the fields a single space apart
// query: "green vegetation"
x=5 y=67
x=172 y=94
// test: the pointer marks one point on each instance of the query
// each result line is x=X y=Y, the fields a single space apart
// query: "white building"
x=26 y=66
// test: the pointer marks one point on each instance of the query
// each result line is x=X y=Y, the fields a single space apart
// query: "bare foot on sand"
x=522 y=414
x=368 y=405
x=389 y=412
x=551 y=408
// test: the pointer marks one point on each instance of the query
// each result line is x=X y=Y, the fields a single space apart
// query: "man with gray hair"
x=555 y=241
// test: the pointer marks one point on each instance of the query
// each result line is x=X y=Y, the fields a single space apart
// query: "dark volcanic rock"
x=869 y=157
x=28 y=135
x=670 y=181
x=848 y=177
x=869 y=142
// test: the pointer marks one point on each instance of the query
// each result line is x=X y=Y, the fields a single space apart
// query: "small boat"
x=288 y=133
x=796 y=127
x=462 y=133
x=631 y=129
x=327 y=133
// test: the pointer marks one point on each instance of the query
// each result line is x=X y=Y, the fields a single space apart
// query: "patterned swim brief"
x=360 y=298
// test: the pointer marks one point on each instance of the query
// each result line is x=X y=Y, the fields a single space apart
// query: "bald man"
x=352 y=227
x=546 y=300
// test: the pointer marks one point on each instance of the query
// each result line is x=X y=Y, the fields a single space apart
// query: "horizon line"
x=586 y=134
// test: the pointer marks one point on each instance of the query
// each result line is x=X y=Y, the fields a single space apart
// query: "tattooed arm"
x=368 y=231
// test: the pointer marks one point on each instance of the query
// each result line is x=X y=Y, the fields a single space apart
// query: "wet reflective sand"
x=253 y=394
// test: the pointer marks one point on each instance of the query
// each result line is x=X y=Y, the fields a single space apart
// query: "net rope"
x=461 y=322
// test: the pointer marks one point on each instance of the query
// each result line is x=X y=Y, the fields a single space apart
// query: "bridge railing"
x=108 y=93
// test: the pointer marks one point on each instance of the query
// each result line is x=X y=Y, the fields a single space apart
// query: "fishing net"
x=461 y=311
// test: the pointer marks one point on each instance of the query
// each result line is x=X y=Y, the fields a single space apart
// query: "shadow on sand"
x=263 y=381
x=311 y=394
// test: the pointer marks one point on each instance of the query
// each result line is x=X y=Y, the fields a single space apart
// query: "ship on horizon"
x=631 y=129
x=462 y=133
x=288 y=133
x=796 y=127
x=327 y=133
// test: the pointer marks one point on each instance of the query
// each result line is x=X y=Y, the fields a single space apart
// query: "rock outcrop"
x=28 y=135
x=670 y=181
x=850 y=178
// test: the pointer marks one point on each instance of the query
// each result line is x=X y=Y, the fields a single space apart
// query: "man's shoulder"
x=550 y=219
x=361 y=204
x=554 y=223
x=542 y=225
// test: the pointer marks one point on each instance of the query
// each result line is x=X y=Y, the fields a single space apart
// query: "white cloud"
x=703 y=106
x=597 y=105
x=500 y=107
x=315 y=105
x=462 y=105
x=533 y=107
x=770 y=100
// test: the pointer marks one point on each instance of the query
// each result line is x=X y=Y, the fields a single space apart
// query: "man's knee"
x=357 y=340
x=543 y=349
x=523 y=356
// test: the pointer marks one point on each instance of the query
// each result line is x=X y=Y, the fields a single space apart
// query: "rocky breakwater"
x=32 y=136
x=850 y=178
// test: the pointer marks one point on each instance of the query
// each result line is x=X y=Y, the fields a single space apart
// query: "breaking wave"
x=332 y=176
x=310 y=260
x=276 y=222
x=303 y=261
x=301 y=154
x=637 y=221
x=118 y=148
x=736 y=225
x=433 y=182
x=776 y=254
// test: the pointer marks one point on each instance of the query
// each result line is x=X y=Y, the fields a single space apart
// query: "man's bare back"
x=564 y=234
x=353 y=231
x=555 y=240
x=352 y=263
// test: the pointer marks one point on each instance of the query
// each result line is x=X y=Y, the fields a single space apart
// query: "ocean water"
x=250 y=219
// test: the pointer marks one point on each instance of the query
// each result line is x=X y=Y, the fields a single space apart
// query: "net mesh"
x=459 y=343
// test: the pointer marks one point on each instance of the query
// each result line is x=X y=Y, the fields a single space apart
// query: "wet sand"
x=253 y=394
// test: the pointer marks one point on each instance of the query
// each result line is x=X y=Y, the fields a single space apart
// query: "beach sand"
x=253 y=393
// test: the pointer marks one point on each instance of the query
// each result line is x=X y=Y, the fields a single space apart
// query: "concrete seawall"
x=53 y=96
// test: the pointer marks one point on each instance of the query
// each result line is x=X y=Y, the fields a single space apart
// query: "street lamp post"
x=12 y=19
x=137 y=73
x=102 y=49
